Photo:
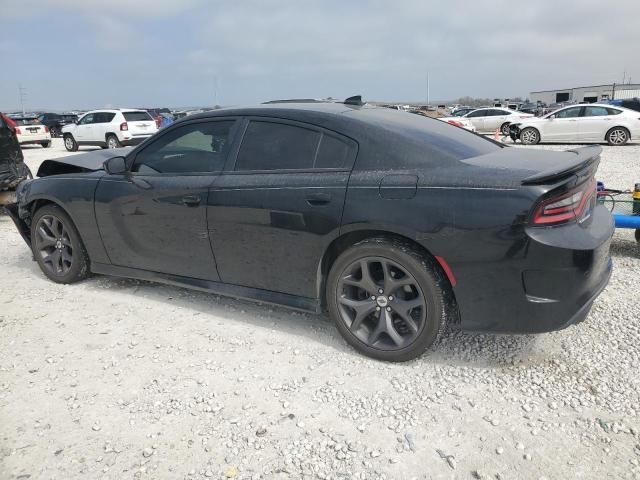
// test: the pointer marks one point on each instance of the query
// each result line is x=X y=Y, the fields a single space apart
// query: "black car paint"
x=271 y=236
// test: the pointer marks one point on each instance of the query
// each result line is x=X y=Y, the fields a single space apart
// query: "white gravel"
x=117 y=379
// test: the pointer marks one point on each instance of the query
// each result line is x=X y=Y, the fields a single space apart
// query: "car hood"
x=84 y=162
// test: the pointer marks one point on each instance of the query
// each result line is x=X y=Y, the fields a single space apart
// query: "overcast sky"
x=71 y=54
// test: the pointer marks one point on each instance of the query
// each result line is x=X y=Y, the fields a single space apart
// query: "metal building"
x=594 y=93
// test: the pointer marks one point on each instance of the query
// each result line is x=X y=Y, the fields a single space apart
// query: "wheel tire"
x=70 y=143
x=57 y=246
x=530 y=136
x=46 y=144
x=638 y=235
x=113 y=142
x=428 y=284
x=617 y=136
x=504 y=129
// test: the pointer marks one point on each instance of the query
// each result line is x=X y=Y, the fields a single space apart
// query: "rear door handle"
x=191 y=200
x=316 y=199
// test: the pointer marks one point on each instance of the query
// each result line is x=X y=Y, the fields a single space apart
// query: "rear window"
x=137 y=117
x=415 y=141
x=26 y=121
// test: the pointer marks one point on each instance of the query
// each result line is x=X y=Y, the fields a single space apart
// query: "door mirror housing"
x=115 y=165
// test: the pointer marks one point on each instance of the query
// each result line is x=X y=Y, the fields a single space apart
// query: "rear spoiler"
x=585 y=157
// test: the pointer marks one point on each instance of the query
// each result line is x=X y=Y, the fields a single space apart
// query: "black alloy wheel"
x=57 y=246
x=387 y=299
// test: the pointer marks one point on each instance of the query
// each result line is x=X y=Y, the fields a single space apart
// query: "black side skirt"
x=235 y=291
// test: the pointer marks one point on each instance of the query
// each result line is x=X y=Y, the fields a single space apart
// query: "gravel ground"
x=117 y=379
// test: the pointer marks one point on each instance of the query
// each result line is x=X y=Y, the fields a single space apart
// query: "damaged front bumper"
x=514 y=131
x=20 y=215
x=11 y=175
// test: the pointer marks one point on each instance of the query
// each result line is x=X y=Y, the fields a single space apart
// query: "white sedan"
x=490 y=119
x=592 y=123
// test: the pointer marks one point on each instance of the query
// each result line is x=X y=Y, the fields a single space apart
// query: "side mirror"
x=115 y=166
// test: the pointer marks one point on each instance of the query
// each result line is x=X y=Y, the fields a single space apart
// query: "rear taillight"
x=46 y=129
x=18 y=131
x=565 y=207
x=124 y=127
x=456 y=123
x=157 y=122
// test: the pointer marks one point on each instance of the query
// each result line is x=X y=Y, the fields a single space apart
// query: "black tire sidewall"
x=80 y=267
x=617 y=144
x=74 y=148
x=502 y=130
x=532 y=129
x=117 y=142
x=422 y=270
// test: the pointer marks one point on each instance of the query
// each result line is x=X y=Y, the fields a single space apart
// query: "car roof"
x=114 y=110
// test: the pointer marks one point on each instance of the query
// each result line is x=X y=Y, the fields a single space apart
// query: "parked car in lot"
x=109 y=129
x=12 y=167
x=30 y=131
x=55 y=122
x=487 y=120
x=396 y=224
x=592 y=123
x=630 y=103
x=459 y=122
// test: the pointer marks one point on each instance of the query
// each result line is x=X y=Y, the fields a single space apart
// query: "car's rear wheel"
x=617 y=136
x=57 y=246
x=530 y=136
x=113 y=142
x=46 y=144
x=70 y=144
x=504 y=129
x=387 y=299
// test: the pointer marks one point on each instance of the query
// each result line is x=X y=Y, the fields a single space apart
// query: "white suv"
x=109 y=129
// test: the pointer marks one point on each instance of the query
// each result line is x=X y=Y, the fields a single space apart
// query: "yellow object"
x=231 y=472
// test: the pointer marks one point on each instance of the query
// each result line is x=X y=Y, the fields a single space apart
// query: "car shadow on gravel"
x=625 y=245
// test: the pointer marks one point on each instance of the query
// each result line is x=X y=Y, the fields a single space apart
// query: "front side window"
x=277 y=146
x=194 y=148
x=569 y=113
x=87 y=119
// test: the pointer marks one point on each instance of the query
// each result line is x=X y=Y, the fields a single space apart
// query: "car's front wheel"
x=57 y=246
x=70 y=144
x=530 y=136
x=113 y=142
x=387 y=299
x=617 y=136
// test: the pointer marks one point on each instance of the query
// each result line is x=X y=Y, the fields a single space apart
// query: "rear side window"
x=103 y=117
x=596 y=111
x=613 y=111
x=478 y=113
x=137 y=117
x=277 y=146
x=333 y=153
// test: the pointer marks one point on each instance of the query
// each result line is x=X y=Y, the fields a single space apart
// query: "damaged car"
x=13 y=170
x=397 y=225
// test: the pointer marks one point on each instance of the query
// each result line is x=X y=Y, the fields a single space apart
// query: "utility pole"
x=23 y=97
x=215 y=91
x=428 y=88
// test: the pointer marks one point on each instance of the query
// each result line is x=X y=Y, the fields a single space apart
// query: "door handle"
x=316 y=199
x=191 y=200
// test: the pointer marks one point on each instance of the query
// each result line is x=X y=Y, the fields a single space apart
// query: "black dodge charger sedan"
x=395 y=223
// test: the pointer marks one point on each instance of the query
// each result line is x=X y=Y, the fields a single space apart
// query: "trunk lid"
x=513 y=167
